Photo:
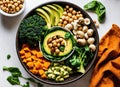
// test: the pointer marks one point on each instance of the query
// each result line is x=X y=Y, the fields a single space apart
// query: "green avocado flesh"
x=61 y=33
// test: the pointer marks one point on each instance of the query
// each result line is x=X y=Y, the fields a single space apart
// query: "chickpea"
x=74 y=12
x=63 y=17
x=54 y=37
x=1 y=2
x=15 y=0
x=52 y=50
x=11 y=2
x=49 y=40
x=63 y=42
x=71 y=9
x=58 y=45
x=65 y=13
x=70 y=20
x=57 y=40
x=17 y=8
x=61 y=20
x=54 y=44
x=65 y=22
x=21 y=6
x=59 y=24
x=57 y=51
x=67 y=6
x=16 y=4
x=70 y=15
x=13 y=6
x=50 y=45
x=67 y=18
x=60 y=39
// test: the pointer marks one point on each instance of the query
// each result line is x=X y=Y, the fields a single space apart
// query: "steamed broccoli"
x=30 y=29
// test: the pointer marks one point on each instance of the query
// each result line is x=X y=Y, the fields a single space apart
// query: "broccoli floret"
x=30 y=29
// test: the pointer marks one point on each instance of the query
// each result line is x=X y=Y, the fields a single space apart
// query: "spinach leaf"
x=98 y=8
x=90 y=6
x=13 y=70
x=13 y=80
x=61 y=48
x=26 y=85
x=67 y=35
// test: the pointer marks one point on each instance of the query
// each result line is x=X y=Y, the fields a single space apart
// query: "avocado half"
x=68 y=50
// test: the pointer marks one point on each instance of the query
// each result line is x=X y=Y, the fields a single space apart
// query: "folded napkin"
x=107 y=70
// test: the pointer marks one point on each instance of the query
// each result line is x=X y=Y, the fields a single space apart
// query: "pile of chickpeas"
x=11 y=6
x=55 y=42
x=69 y=15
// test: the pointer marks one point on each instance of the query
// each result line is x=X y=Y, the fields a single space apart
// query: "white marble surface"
x=8 y=29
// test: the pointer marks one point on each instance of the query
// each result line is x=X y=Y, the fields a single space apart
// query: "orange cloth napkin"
x=107 y=70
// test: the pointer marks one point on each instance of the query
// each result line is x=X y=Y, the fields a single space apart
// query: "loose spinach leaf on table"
x=26 y=85
x=13 y=70
x=13 y=80
x=98 y=8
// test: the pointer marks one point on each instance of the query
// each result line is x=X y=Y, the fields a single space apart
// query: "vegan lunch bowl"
x=60 y=48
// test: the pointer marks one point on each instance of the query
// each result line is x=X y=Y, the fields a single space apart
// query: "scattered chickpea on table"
x=11 y=6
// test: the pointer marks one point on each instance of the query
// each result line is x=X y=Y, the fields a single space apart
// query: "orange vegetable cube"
x=39 y=54
x=26 y=49
x=22 y=52
x=34 y=52
x=28 y=54
x=41 y=71
x=38 y=65
x=30 y=64
x=46 y=64
x=44 y=76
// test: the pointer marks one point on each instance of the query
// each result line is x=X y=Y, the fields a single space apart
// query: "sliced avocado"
x=60 y=8
x=49 y=11
x=68 y=47
x=43 y=14
x=56 y=13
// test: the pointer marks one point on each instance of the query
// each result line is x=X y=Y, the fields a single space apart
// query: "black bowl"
x=76 y=76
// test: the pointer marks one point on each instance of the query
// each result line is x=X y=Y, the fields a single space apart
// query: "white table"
x=8 y=29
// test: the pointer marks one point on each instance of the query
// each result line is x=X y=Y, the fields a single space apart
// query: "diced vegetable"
x=58 y=72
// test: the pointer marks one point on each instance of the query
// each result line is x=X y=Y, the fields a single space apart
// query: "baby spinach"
x=13 y=79
x=13 y=70
x=26 y=85
x=61 y=48
x=98 y=8
x=67 y=35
